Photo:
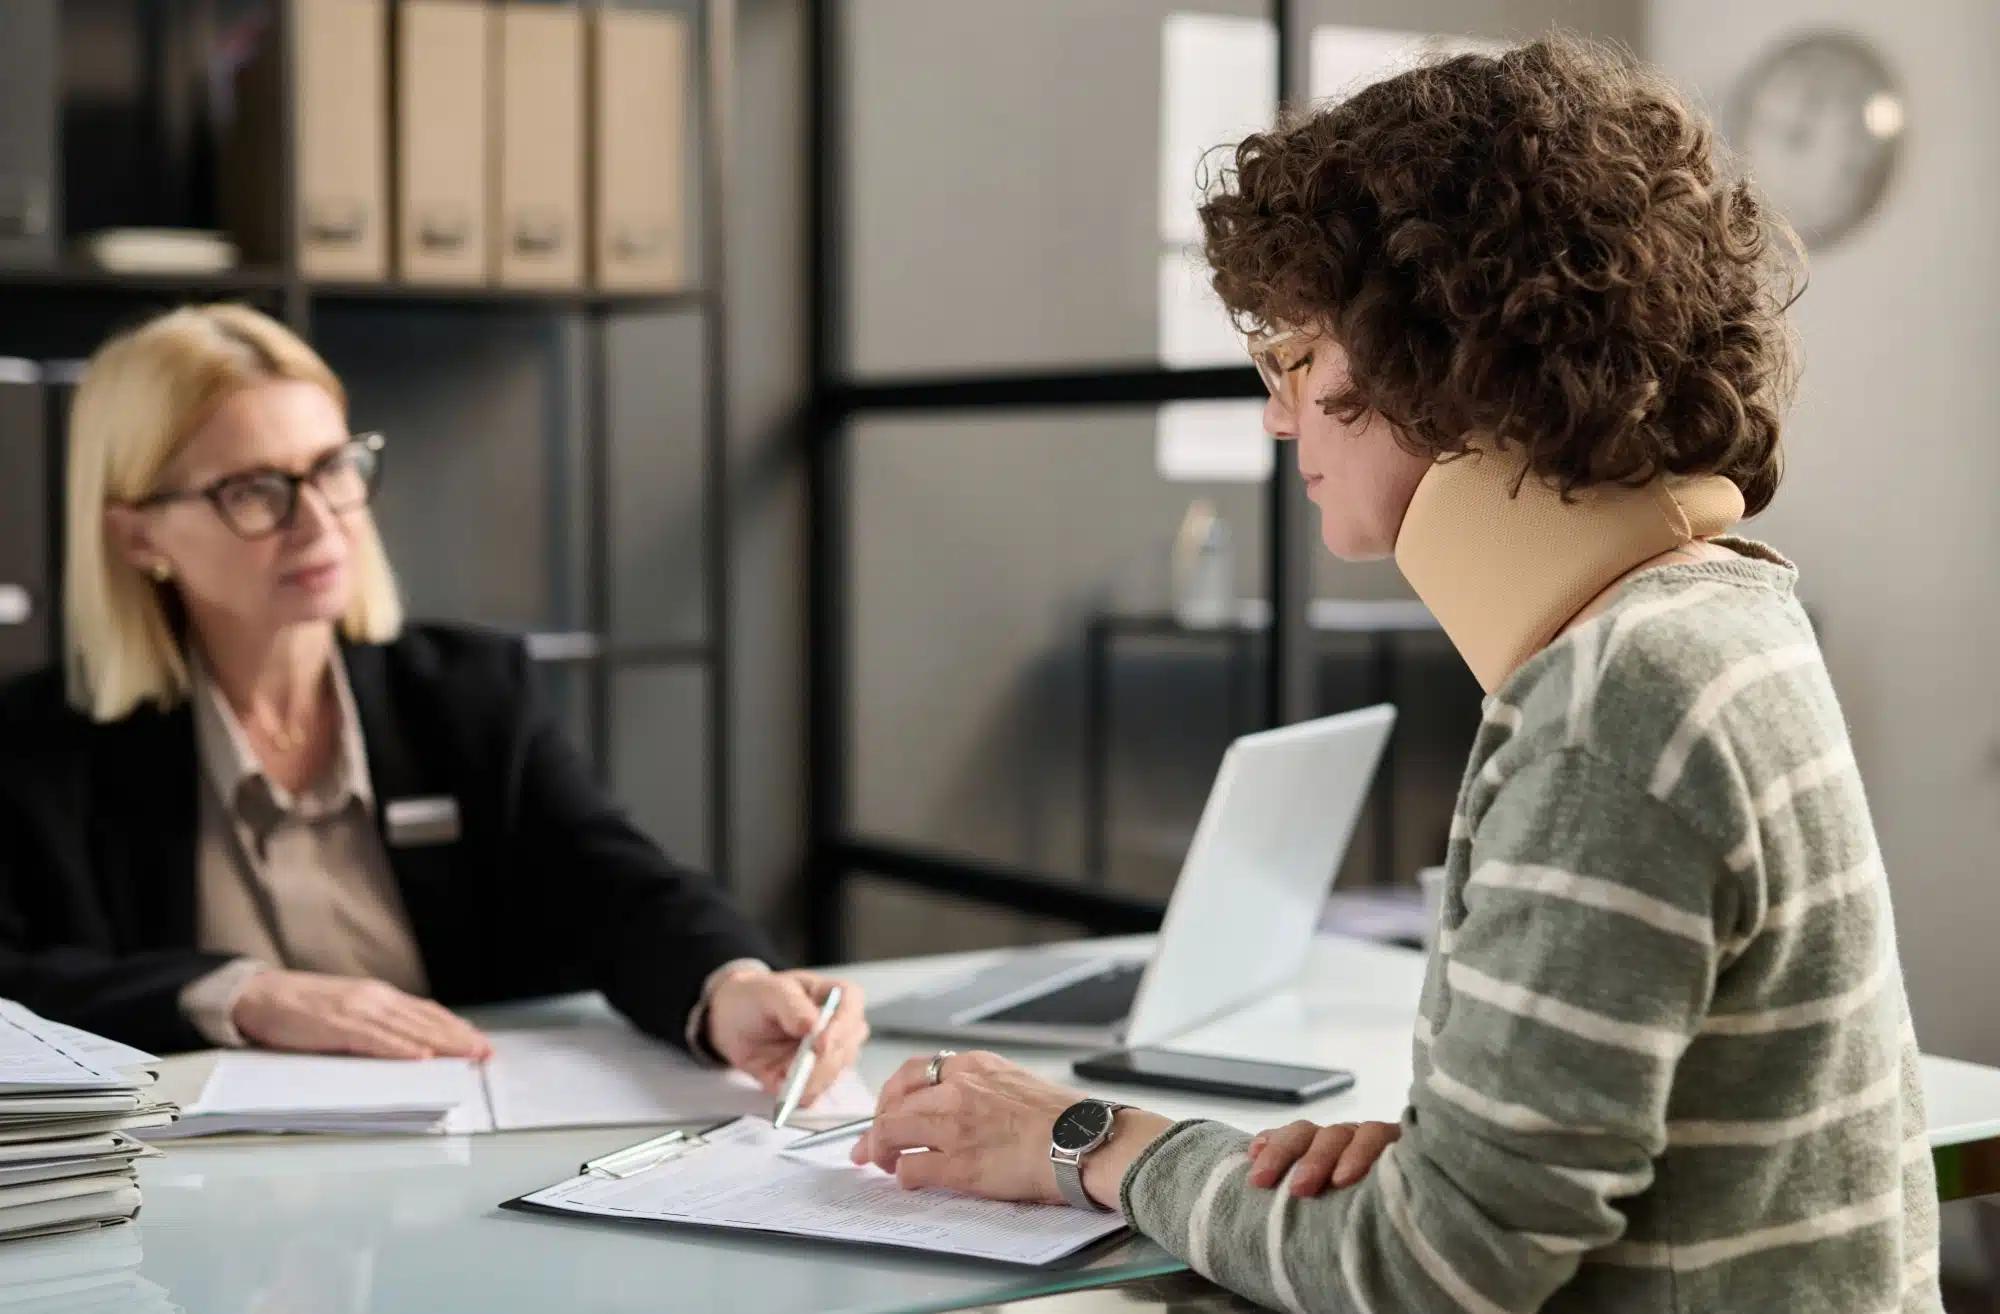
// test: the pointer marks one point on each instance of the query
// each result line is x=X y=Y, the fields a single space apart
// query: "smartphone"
x=1208 y=1074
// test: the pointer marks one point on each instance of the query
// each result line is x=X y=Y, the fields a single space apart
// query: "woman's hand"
x=314 y=1013
x=1339 y=1155
x=984 y=1130
x=756 y=1019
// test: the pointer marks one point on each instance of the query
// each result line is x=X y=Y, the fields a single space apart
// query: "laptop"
x=1243 y=913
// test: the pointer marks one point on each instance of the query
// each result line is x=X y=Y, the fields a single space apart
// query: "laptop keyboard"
x=1094 y=1001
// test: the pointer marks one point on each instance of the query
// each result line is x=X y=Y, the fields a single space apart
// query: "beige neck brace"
x=1504 y=572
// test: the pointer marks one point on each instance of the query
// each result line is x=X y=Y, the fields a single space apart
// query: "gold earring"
x=161 y=571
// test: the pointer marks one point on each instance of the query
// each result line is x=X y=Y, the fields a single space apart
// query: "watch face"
x=1082 y=1126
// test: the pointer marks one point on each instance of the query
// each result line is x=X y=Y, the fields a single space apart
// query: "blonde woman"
x=256 y=807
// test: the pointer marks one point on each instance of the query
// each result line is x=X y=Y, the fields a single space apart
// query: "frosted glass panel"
x=982 y=552
x=1003 y=182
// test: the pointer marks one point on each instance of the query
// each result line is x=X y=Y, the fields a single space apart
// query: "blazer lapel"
x=147 y=782
x=425 y=873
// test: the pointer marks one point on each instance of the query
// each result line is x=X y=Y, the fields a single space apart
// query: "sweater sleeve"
x=1577 y=966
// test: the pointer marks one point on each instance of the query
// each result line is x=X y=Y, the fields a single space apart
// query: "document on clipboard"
x=740 y=1177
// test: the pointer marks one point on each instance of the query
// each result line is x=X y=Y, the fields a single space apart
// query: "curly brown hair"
x=1535 y=248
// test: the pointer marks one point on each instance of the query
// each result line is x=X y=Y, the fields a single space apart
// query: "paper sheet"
x=741 y=1179
x=603 y=1076
x=72 y=1147
x=247 y=1081
x=119 y=1202
x=99 y=1052
x=39 y=1131
x=254 y=1091
x=580 y=1076
x=30 y=1059
x=28 y=1174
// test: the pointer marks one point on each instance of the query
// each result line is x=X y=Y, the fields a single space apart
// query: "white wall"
x=1891 y=506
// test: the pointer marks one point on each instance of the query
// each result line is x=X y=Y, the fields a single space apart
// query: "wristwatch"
x=1083 y=1127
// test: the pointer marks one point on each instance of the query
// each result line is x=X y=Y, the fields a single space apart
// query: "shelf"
x=580 y=647
x=85 y=279
x=522 y=297
x=88 y=279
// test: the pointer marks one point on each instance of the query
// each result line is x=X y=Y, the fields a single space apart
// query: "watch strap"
x=1069 y=1180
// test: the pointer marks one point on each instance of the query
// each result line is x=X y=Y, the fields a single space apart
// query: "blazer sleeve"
x=56 y=954
x=651 y=930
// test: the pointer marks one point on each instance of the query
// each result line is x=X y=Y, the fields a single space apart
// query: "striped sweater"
x=1664 y=1060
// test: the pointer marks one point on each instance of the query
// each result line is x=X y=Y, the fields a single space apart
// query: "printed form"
x=739 y=1177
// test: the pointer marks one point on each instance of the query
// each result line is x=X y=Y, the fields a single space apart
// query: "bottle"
x=1204 y=569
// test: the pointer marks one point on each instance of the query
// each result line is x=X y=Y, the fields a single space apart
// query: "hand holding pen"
x=757 y=1019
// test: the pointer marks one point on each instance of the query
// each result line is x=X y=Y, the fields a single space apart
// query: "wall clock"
x=1821 y=119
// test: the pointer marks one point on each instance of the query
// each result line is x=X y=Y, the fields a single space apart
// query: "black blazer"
x=548 y=888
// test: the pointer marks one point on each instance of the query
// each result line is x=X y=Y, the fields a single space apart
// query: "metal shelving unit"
x=835 y=851
x=121 y=298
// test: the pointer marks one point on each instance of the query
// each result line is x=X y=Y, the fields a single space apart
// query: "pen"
x=845 y=1131
x=803 y=1062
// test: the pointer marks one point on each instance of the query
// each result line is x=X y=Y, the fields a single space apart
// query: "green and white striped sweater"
x=1665 y=1061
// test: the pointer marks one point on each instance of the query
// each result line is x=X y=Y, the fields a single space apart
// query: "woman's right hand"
x=313 y=1013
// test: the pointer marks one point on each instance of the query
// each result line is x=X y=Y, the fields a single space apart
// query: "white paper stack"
x=67 y=1100
x=255 y=1092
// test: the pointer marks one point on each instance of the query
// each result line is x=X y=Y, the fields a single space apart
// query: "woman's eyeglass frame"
x=1278 y=375
x=364 y=449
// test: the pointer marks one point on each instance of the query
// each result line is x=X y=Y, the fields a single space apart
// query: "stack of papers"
x=589 y=1075
x=67 y=1101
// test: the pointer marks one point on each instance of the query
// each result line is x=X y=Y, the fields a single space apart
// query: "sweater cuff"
x=1164 y=1180
x=209 y=1002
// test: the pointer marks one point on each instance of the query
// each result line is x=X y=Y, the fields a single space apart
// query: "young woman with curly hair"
x=1528 y=336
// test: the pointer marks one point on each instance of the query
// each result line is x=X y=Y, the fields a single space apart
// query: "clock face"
x=1820 y=120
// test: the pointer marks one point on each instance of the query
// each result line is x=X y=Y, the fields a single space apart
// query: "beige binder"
x=443 y=52
x=340 y=57
x=539 y=179
x=639 y=117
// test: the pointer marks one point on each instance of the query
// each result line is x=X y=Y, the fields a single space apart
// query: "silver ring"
x=935 y=1072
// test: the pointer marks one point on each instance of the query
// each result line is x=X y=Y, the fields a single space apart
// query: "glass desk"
x=319 y=1226
x=334 y=1226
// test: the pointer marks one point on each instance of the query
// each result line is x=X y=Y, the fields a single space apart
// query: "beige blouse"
x=303 y=881
x=300 y=881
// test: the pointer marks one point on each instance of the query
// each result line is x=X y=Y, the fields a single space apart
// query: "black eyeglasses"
x=262 y=502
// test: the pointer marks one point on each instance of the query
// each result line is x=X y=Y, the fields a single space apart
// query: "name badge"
x=413 y=822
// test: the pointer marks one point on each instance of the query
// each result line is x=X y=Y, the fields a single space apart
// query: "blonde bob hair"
x=142 y=395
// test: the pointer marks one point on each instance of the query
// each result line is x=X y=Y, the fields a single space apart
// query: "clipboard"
x=651 y=1188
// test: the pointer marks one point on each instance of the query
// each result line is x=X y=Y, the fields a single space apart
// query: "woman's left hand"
x=984 y=1128
x=757 y=1018
x=1317 y=1157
